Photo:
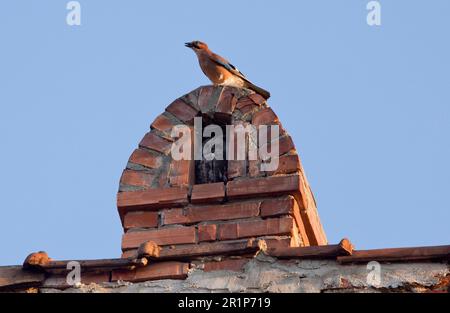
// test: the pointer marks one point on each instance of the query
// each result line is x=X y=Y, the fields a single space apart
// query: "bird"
x=220 y=71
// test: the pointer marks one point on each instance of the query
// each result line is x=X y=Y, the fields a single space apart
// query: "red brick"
x=245 y=105
x=145 y=158
x=228 y=231
x=287 y=164
x=235 y=265
x=191 y=98
x=226 y=105
x=279 y=206
x=207 y=232
x=283 y=206
x=162 y=236
x=273 y=226
x=174 y=216
x=254 y=168
x=297 y=209
x=203 y=249
x=183 y=111
x=236 y=168
x=285 y=144
x=140 y=219
x=265 y=117
x=136 y=178
x=15 y=276
x=296 y=238
x=248 y=108
x=212 y=213
x=265 y=185
x=213 y=192
x=152 y=198
x=163 y=124
x=154 y=142
x=153 y=271
x=237 y=135
x=257 y=99
x=181 y=172
x=205 y=97
x=244 y=101
x=277 y=242
x=310 y=217
x=269 y=138
x=163 y=178
x=129 y=254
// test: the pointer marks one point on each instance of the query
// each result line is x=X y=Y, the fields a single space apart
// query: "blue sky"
x=367 y=107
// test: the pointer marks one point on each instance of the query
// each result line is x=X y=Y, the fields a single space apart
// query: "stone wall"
x=267 y=274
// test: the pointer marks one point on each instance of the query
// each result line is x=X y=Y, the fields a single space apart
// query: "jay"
x=220 y=71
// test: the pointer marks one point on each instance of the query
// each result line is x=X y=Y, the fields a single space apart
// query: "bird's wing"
x=230 y=67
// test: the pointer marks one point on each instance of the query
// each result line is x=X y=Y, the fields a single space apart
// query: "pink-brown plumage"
x=220 y=71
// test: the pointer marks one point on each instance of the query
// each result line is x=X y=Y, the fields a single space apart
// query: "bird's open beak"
x=189 y=45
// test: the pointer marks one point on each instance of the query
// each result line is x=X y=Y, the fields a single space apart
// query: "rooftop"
x=184 y=218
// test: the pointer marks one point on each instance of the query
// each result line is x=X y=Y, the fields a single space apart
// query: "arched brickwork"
x=159 y=200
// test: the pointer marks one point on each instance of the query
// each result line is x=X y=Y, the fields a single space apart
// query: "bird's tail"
x=261 y=91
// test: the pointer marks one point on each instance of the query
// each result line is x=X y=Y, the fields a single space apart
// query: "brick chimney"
x=215 y=203
x=215 y=225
